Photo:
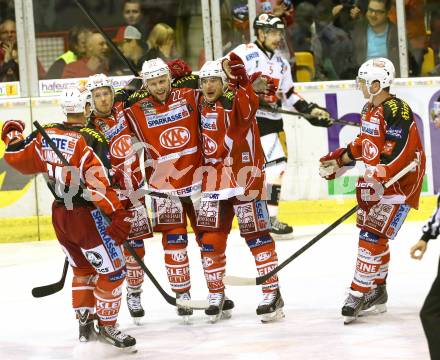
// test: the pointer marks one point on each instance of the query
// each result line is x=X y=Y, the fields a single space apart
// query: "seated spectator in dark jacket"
x=375 y=35
x=132 y=49
x=434 y=38
x=160 y=42
x=301 y=32
x=95 y=61
x=133 y=13
x=77 y=48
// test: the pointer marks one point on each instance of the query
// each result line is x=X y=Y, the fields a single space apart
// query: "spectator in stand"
x=346 y=12
x=6 y=10
x=375 y=35
x=133 y=13
x=160 y=42
x=301 y=32
x=77 y=40
x=8 y=52
x=434 y=39
x=132 y=49
x=96 y=59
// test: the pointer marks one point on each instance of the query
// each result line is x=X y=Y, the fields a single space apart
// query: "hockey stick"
x=50 y=289
x=239 y=281
x=107 y=38
x=307 y=116
x=194 y=304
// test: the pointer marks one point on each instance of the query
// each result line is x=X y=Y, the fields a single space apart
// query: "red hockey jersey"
x=232 y=154
x=86 y=151
x=171 y=136
x=389 y=140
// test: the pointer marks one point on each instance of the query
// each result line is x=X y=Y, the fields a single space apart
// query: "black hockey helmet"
x=268 y=21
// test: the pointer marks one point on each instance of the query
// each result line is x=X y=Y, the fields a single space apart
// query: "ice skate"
x=134 y=305
x=227 y=308
x=117 y=338
x=271 y=307
x=86 y=325
x=375 y=300
x=216 y=302
x=280 y=230
x=352 y=306
x=184 y=312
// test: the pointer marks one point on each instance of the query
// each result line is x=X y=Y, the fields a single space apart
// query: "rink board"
x=307 y=198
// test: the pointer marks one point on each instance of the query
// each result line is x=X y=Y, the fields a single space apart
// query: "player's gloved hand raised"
x=12 y=129
x=179 y=68
x=263 y=84
x=120 y=225
x=368 y=193
x=331 y=163
x=238 y=70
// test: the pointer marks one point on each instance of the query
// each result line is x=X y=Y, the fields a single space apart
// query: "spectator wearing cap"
x=77 y=49
x=131 y=47
x=133 y=14
x=95 y=61
x=160 y=42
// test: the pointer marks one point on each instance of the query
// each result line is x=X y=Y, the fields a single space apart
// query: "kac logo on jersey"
x=209 y=121
x=122 y=147
x=209 y=145
x=167 y=117
x=175 y=137
x=369 y=149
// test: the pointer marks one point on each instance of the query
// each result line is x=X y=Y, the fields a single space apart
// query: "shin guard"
x=135 y=274
x=83 y=284
x=108 y=294
x=214 y=259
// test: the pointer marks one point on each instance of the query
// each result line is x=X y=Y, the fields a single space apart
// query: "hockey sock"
x=383 y=272
x=273 y=191
x=368 y=265
x=135 y=274
x=214 y=259
x=176 y=259
x=83 y=284
x=266 y=259
x=108 y=294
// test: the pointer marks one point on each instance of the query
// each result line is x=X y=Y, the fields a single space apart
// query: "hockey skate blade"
x=137 y=320
x=374 y=310
x=214 y=318
x=239 y=281
x=226 y=314
x=271 y=317
x=278 y=237
x=349 y=319
x=192 y=304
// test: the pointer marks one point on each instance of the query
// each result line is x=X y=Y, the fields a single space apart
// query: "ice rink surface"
x=313 y=288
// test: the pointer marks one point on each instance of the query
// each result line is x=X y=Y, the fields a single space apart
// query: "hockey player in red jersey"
x=388 y=142
x=263 y=56
x=166 y=120
x=108 y=117
x=92 y=246
x=233 y=184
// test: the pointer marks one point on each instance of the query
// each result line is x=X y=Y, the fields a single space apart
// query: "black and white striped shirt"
x=432 y=228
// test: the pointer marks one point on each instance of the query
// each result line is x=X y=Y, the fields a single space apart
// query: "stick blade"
x=46 y=290
x=239 y=281
x=193 y=304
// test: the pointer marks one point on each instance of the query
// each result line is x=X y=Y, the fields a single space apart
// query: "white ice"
x=313 y=288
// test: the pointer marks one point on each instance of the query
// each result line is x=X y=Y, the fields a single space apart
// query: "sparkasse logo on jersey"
x=167 y=117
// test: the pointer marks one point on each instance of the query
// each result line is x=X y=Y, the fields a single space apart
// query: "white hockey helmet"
x=378 y=69
x=213 y=69
x=98 y=81
x=268 y=21
x=154 y=68
x=72 y=101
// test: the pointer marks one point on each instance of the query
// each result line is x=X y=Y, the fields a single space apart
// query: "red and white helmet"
x=72 y=101
x=378 y=69
x=213 y=69
x=154 y=68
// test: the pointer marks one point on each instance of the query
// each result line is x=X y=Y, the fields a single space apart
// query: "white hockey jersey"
x=276 y=67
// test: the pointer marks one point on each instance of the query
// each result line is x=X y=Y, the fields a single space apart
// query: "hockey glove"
x=368 y=193
x=120 y=225
x=331 y=163
x=179 y=68
x=11 y=130
x=263 y=84
x=238 y=70
x=319 y=116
